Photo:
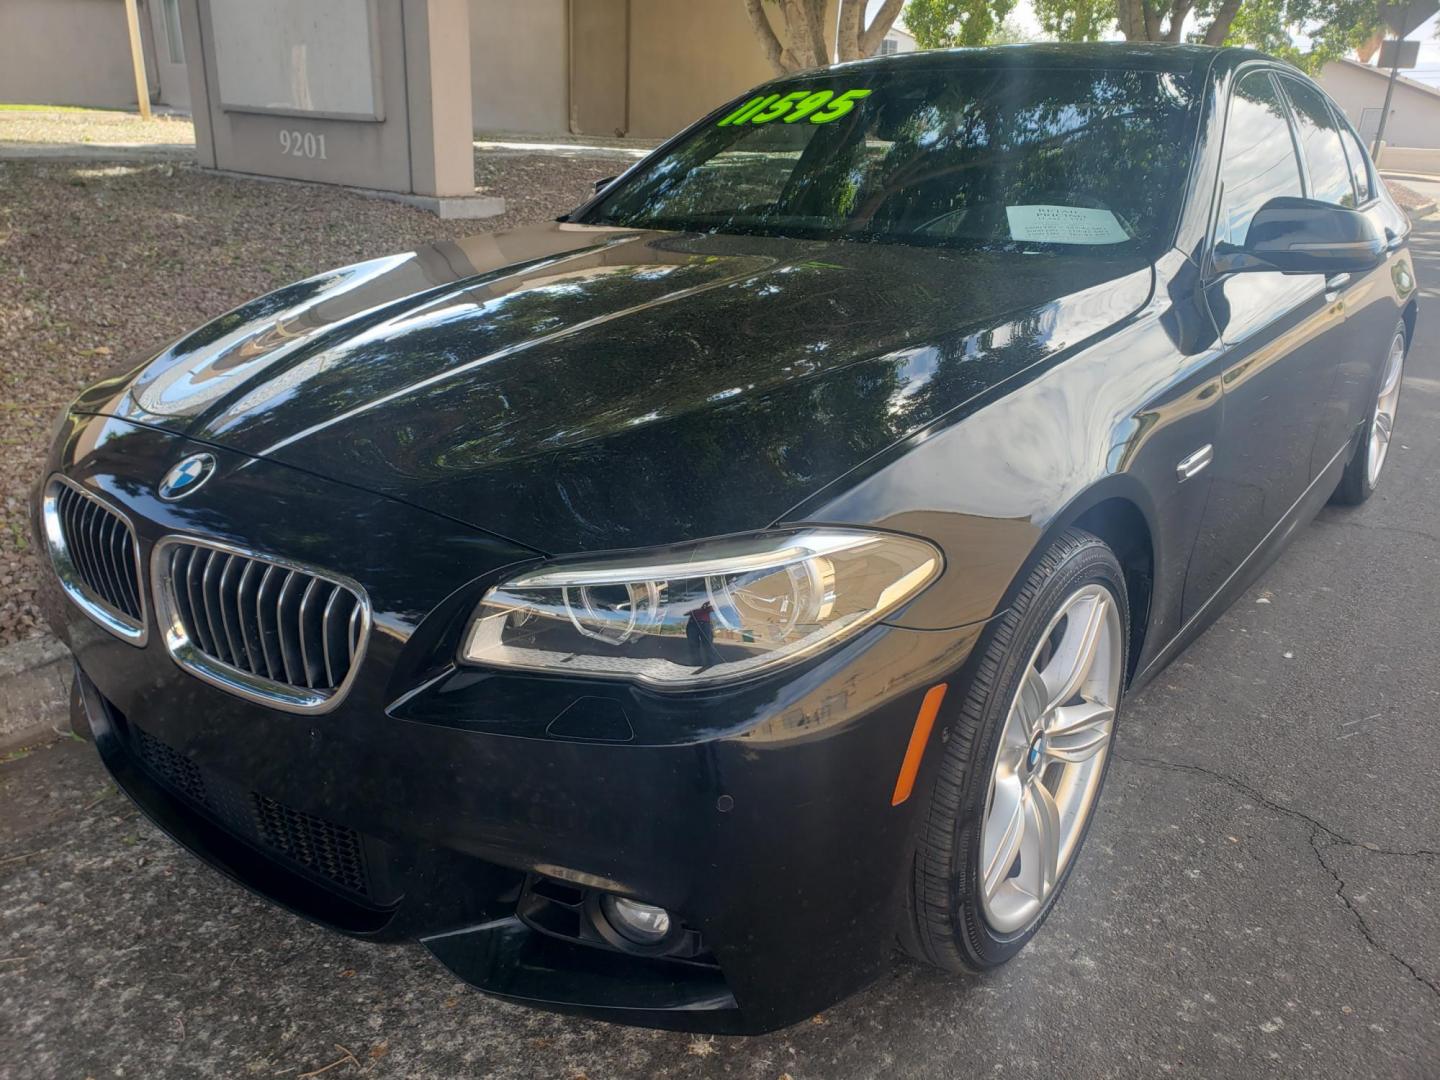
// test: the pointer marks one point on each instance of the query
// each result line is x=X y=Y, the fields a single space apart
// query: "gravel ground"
x=60 y=124
x=1410 y=199
x=101 y=264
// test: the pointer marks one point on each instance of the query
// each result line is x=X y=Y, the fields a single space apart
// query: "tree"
x=800 y=43
x=947 y=24
x=1333 y=27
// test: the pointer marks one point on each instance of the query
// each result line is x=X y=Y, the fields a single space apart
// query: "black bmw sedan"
x=663 y=612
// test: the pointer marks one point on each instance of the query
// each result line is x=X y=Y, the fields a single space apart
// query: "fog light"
x=644 y=924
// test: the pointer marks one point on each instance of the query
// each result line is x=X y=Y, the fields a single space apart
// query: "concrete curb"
x=446 y=207
x=35 y=678
x=121 y=152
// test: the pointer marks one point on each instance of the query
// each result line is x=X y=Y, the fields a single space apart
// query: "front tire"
x=1023 y=763
x=1362 y=474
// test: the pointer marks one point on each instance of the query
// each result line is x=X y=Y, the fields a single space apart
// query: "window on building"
x=888 y=47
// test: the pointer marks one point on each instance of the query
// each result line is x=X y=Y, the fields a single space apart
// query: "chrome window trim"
x=262 y=691
x=73 y=585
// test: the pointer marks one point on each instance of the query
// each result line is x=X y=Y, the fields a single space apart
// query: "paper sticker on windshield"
x=1065 y=225
x=817 y=106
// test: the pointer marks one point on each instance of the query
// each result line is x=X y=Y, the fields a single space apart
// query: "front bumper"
x=433 y=802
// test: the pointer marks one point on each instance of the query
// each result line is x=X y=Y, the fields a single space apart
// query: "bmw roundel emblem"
x=186 y=476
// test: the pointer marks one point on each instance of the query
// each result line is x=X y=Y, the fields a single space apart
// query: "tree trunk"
x=1178 y=13
x=1224 y=16
x=1152 y=21
x=801 y=44
x=1131 y=15
x=873 y=34
x=852 y=24
x=769 y=42
x=805 y=34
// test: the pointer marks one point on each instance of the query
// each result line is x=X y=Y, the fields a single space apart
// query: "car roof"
x=1193 y=59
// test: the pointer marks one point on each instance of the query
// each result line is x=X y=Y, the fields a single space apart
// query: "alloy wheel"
x=1382 y=424
x=1051 y=759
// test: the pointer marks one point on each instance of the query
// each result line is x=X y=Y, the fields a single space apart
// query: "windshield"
x=1008 y=158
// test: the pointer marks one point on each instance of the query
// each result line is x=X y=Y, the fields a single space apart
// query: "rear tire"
x=1013 y=733
x=1362 y=473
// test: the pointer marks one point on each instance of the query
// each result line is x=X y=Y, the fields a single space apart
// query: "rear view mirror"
x=603 y=183
x=1304 y=236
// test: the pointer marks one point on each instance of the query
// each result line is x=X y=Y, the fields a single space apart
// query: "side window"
x=1259 y=162
x=1359 y=170
x=1321 y=145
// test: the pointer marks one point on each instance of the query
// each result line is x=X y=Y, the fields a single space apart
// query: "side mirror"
x=603 y=183
x=1304 y=236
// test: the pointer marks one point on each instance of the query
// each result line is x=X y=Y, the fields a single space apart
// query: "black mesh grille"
x=101 y=548
x=171 y=768
x=331 y=850
x=276 y=622
x=324 y=849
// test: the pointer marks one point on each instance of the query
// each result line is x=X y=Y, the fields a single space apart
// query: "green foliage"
x=1334 y=27
x=1076 y=20
x=946 y=24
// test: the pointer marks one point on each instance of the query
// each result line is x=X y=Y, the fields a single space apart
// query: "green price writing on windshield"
x=820 y=106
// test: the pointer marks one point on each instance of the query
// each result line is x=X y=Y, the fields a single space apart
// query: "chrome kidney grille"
x=93 y=549
x=267 y=629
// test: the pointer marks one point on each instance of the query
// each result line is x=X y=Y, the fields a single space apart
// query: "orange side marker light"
x=919 y=737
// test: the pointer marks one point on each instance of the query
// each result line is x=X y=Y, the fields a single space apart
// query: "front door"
x=1336 y=173
x=1282 y=335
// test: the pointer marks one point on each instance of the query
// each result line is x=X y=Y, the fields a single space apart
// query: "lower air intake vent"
x=264 y=628
x=333 y=853
x=330 y=850
x=171 y=768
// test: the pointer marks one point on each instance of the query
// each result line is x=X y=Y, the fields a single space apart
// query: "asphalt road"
x=1260 y=895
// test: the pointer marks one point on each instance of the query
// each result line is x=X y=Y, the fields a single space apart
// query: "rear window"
x=1321 y=145
x=1359 y=171
x=1012 y=158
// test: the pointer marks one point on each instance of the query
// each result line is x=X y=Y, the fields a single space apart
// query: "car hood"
x=577 y=388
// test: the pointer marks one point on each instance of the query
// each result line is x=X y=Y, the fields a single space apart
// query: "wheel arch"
x=1118 y=510
x=1121 y=524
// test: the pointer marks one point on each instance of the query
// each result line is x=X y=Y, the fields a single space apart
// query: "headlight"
x=699 y=613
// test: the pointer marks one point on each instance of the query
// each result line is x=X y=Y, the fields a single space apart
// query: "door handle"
x=1195 y=463
x=1333 y=284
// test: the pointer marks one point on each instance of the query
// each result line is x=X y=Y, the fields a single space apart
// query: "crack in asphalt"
x=1279 y=808
x=1360 y=920
x=1317 y=829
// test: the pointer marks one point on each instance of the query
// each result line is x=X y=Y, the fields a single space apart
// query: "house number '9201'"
x=302 y=143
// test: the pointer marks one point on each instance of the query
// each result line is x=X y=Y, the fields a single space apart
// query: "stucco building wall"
x=685 y=59
x=65 y=52
x=518 y=62
x=644 y=68
x=1360 y=91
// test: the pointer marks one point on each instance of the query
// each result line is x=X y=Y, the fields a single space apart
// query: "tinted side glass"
x=1359 y=170
x=1320 y=143
x=1259 y=162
